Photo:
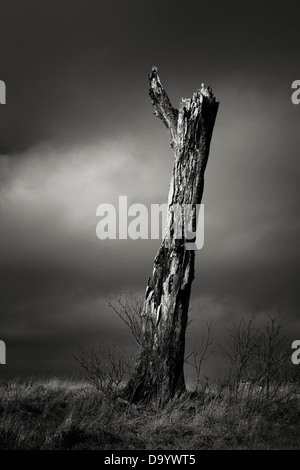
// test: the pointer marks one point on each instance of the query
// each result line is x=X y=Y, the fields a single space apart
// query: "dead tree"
x=159 y=368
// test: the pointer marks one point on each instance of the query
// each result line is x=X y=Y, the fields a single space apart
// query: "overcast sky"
x=78 y=130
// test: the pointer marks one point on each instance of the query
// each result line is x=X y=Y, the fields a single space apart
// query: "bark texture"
x=159 y=368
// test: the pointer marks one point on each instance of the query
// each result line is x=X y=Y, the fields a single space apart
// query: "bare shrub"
x=240 y=351
x=273 y=357
x=259 y=360
x=129 y=308
x=106 y=368
x=202 y=350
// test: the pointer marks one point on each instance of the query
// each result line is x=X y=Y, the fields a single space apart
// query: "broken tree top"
x=202 y=106
x=193 y=115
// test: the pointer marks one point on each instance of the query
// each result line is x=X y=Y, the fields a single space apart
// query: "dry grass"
x=63 y=414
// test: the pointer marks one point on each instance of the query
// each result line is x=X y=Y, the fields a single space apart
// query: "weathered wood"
x=159 y=368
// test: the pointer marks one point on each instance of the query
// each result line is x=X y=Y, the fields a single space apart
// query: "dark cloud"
x=78 y=130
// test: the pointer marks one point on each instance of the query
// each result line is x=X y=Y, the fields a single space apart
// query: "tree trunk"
x=159 y=368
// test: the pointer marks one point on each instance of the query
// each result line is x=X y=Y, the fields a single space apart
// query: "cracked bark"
x=159 y=369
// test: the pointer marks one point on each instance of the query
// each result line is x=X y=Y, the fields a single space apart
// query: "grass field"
x=65 y=414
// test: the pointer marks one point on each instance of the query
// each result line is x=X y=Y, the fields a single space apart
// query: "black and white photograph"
x=149 y=228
